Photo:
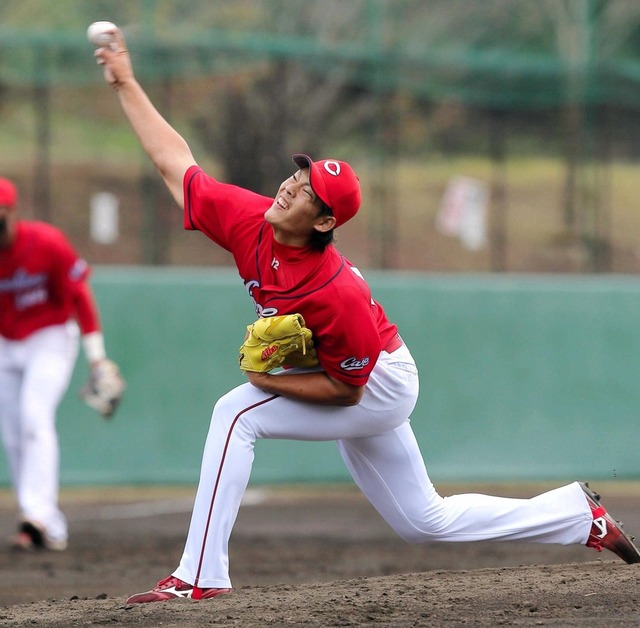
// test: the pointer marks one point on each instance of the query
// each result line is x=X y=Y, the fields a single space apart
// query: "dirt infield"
x=315 y=557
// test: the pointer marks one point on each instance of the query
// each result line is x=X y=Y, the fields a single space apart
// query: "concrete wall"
x=522 y=377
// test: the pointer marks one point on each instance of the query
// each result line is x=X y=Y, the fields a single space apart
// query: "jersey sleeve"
x=86 y=309
x=348 y=348
x=69 y=283
x=221 y=211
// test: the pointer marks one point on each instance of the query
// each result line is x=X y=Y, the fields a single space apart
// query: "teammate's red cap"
x=8 y=193
x=335 y=183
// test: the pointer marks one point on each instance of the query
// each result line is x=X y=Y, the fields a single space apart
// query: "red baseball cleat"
x=607 y=533
x=172 y=587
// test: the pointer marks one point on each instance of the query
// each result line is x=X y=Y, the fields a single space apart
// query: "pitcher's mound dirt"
x=317 y=556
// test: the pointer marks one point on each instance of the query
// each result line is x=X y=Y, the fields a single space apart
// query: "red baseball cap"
x=8 y=193
x=335 y=183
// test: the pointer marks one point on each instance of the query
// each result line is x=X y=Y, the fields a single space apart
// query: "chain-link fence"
x=489 y=136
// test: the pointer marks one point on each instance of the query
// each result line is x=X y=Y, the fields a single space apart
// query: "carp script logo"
x=263 y=312
x=28 y=289
x=353 y=364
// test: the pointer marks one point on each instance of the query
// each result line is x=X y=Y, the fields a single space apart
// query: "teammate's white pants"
x=34 y=376
x=381 y=452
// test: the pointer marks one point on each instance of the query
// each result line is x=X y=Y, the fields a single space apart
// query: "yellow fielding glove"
x=277 y=341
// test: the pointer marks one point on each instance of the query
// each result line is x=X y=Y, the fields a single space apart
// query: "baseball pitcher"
x=346 y=376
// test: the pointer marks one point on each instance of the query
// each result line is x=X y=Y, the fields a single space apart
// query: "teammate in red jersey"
x=362 y=394
x=44 y=298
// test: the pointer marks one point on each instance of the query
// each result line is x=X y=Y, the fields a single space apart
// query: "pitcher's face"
x=294 y=212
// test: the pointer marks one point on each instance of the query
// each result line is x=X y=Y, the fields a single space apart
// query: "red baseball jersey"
x=349 y=327
x=42 y=283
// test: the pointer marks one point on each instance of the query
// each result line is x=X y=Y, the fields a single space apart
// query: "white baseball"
x=98 y=34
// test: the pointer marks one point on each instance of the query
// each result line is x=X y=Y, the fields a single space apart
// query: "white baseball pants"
x=379 y=448
x=34 y=376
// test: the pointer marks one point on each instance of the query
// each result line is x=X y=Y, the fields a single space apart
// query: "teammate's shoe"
x=32 y=536
x=607 y=533
x=21 y=541
x=172 y=587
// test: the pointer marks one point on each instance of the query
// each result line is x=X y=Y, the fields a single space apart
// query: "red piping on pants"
x=215 y=488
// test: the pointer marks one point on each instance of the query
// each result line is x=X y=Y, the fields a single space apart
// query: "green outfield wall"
x=522 y=377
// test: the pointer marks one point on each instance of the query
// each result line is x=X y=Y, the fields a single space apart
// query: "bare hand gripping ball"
x=98 y=33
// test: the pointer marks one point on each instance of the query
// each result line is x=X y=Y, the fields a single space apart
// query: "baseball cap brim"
x=315 y=178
